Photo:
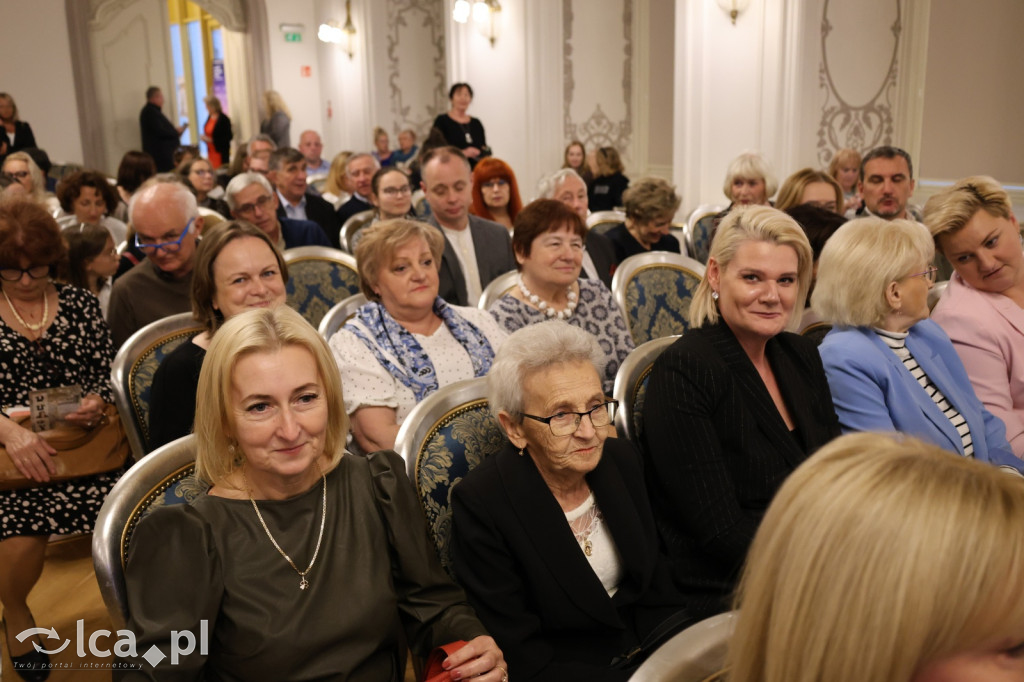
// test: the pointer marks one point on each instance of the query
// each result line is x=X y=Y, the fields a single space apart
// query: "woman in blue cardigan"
x=889 y=367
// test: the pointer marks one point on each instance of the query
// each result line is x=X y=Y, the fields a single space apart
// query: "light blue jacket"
x=873 y=391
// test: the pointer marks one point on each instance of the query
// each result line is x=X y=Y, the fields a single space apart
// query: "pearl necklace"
x=303 y=583
x=19 y=318
x=543 y=306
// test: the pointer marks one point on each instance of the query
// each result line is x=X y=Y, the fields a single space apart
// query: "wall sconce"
x=486 y=14
x=344 y=35
x=733 y=8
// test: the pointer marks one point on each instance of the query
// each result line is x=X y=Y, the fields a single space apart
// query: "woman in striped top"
x=889 y=367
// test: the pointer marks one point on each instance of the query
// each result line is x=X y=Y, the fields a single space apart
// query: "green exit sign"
x=293 y=37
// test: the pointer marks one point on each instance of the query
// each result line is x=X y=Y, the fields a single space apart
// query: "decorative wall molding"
x=230 y=13
x=860 y=126
x=426 y=16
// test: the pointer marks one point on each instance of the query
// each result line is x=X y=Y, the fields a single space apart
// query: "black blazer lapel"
x=553 y=538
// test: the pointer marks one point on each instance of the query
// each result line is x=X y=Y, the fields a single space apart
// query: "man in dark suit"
x=475 y=250
x=568 y=187
x=159 y=136
x=360 y=170
x=251 y=197
x=295 y=201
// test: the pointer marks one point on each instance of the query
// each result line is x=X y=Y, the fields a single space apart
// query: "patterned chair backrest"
x=631 y=386
x=163 y=478
x=339 y=315
x=692 y=655
x=699 y=230
x=602 y=221
x=349 y=236
x=318 y=278
x=654 y=291
x=498 y=287
x=133 y=369
x=441 y=440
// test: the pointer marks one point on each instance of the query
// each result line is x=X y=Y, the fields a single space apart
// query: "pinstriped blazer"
x=717 y=449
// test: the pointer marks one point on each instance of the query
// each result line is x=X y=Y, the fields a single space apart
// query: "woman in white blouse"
x=406 y=342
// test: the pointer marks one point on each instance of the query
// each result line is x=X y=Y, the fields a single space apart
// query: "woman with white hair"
x=553 y=536
x=735 y=404
x=982 y=309
x=889 y=367
x=24 y=169
x=884 y=559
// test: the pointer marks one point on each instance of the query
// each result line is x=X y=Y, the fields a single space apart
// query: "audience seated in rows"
x=52 y=335
x=809 y=186
x=312 y=148
x=567 y=186
x=88 y=197
x=749 y=180
x=475 y=250
x=553 y=536
x=842 y=578
x=548 y=243
x=337 y=188
x=743 y=398
x=251 y=197
x=886 y=183
x=407 y=148
x=651 y=204
x=199 y=177
x=889 y=367
x=167 y=224
x=26 y=171
x=605 y=190
x=359 y=170
x=391 y=194
x=382 y=148
x=495 y=192
x=575 y=158
x=91 y=261
x=407 y=341
x=295 y=200
x=237 y=268
x=974 y=227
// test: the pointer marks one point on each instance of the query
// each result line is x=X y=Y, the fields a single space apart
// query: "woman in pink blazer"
x=982 y=309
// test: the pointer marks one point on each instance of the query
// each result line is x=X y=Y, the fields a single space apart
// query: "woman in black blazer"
x=734 y=405
x=217 y=133
x=553 y=537
x=17 y=134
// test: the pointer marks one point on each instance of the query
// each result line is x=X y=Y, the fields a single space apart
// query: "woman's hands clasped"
x=480 y=659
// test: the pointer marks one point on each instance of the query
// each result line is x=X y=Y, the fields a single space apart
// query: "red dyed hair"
x=488 y=169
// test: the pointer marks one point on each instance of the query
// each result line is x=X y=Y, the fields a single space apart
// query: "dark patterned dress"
x=596 y=313
x=76 y=349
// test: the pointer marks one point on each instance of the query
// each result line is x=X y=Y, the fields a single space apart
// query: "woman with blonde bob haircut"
x=749 y=180
x=884 y=559
x=982 y=308
x=889 y=367
x=735 y=404
x=270 y=437
x=809 y=186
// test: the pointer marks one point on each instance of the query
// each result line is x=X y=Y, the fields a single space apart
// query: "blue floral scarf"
x=398 y=351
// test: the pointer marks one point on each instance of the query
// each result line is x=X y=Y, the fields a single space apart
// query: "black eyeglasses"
x=566 y=423
x=34 y=272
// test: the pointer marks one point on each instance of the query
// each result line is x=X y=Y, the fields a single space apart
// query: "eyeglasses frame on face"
x=172 y=245
x=928 y=274
x=494 y=183
x=397 y=191
x=609 y=405
x=19 y=175
x=247 y=209
x=24 y=271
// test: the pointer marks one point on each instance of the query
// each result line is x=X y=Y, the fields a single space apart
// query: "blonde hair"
x=841 y=156
x=952 y=208
x=274 y=103
x=760 y=224
x=35 y=172
x=859 y=261
x=750 y=165
x=879 y=555
x=265 y=330
x=378 y=243
x=337 y=175
x=792 y=191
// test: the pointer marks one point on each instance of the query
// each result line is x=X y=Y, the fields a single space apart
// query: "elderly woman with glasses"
x=553 y=536
x=391 y=194
x=889 y=367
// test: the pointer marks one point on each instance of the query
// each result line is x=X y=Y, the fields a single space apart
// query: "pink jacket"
x=988 y=333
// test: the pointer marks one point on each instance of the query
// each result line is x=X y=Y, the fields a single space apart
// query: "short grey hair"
x=240 y=182
x=263 y=137
x=548 y=187
x=362 y=155
x=182 y=195
x=860 y=260
x=532 y=348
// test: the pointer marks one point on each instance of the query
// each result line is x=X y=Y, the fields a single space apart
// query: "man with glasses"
x=251 y=197
x=295 y=199
x=167 y=224
x=475 y=250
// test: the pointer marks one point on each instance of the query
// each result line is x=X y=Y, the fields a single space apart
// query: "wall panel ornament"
x=599 y=128
x=858 y=107
x=416 y=41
